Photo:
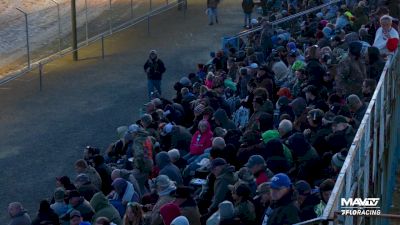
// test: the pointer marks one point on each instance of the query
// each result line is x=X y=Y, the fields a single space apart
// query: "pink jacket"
x=201 y=142
x=209 y=84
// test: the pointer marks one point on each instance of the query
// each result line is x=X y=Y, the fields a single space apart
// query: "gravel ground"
x=43 y=133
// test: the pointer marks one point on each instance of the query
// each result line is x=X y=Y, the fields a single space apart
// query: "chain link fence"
x=28 y=37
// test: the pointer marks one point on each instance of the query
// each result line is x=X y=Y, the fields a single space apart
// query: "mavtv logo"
x=359 y=206
x=358 y=202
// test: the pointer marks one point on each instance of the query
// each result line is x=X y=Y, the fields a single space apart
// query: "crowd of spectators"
x=257 y=135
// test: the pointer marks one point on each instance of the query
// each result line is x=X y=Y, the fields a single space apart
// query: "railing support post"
x=148 y=16
x=131 y=9
x=86 y=22
x=102 y=46
x=184 y=5
x=110 y=16
x=59 y=26
x=74 y=32
x=40 y=76
x=27 y=37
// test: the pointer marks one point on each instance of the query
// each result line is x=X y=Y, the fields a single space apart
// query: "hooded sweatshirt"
x=274 y=134
x=201 y=141
x=103 y=208
x=225 y=178
x=225 y=122
x=124 y=191
x=167 y=168
x=21 y=218
x=306 y=158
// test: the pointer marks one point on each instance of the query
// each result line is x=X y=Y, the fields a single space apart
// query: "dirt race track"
x=43 y=133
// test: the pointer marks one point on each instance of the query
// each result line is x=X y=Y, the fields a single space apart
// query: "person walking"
x=212 y=12
x=154 y=68
x=247 y=6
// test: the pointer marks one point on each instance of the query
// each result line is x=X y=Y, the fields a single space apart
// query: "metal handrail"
x=282 y=20
x=341 y=181
x=18 y=73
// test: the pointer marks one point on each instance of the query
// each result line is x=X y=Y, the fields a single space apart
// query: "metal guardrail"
x=99 y=37
x=286 y=19
x=370 y=166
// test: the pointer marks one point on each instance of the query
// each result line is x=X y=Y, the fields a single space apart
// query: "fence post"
x=102 y=46
x=59 y=25
x=148 y=16
x=110 y=17
x=74 y=32
x=131 y=9
x=86 y=22
x=184 y=5
x=40 y=75
x=27 y=36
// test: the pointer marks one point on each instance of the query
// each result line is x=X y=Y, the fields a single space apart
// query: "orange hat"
x=284 y=92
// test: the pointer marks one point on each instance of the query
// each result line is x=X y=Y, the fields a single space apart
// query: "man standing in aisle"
x=212 y=11
x=154 y=69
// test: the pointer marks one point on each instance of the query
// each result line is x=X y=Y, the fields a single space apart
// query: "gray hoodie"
x=21 y=218
x=167 y=168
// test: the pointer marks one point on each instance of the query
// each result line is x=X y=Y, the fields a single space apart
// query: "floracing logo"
x=360 y=207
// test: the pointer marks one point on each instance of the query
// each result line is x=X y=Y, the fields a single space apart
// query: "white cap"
x=180 y=220
x=254 y=66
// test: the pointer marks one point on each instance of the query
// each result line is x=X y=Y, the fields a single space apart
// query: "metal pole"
x=148 y=24
x=131 y=9
x=148 y=17
x=110 y=17
x=74 y=32
x=40 y=75
x=102 y=46
x=184 y=8
x=151 y=5
x=27 y=37
x=86 y=17
x=59 y=25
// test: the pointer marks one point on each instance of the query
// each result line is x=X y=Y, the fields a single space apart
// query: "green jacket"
x=221 y=190
x=246 y=212
x=273 y=134
x=103 y=208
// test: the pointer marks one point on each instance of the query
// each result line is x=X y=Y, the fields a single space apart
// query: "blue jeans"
x=247 y=18
x=153 y=84
x=212 y=12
